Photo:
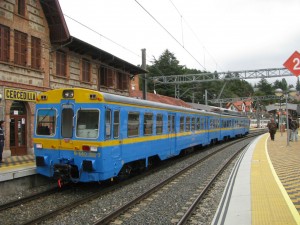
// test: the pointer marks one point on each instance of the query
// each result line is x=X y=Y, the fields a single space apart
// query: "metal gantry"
x=221 y=76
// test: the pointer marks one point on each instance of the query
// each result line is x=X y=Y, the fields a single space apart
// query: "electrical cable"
x=169 y=33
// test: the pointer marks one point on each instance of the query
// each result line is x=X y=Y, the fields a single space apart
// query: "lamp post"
x=280 y=116
x=290 y=92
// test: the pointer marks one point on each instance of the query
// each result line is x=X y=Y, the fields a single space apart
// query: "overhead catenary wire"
x=197 y=38
x=169 y=33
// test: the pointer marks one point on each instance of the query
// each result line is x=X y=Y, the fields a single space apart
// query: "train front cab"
x=65 y=139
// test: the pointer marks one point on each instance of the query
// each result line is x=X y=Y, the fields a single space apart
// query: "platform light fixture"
x=291 y=92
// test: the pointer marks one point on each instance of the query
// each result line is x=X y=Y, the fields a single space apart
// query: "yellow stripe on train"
x=69 y=144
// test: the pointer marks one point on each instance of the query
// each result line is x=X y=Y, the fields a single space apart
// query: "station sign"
x=293 y=63
x=19 y=95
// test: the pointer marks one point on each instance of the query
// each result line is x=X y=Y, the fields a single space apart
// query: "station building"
x=37 y=53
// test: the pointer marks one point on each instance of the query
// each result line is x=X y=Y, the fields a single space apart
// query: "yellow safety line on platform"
x=288 y=200
x=267 y=202
x=11 y=167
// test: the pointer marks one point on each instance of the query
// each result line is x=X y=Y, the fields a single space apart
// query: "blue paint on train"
x=83 y=139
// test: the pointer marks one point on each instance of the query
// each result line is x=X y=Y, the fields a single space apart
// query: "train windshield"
x=46 y=120
x=87 y=123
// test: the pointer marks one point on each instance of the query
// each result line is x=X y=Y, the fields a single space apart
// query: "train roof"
x=141 y=102
x=55 y=96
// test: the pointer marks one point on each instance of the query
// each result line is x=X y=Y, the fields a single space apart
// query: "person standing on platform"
x=294 y=129
x=2 y=138
x=290 y=131
x=272 y=126
x=297 y=127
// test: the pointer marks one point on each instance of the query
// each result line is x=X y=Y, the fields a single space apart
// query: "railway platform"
x=264 y=186
x=16 y=167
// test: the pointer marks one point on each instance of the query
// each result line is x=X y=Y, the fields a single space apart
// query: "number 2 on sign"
x=297 y=63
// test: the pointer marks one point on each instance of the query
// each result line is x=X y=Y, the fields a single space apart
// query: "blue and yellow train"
x=83 y=135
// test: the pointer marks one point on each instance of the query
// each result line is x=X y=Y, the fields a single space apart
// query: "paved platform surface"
x=16 y=167
x=264 y=187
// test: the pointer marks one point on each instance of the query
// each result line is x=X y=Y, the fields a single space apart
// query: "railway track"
x=85 y=198
x=122 y=213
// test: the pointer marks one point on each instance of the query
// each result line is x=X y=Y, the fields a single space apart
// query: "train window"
x=159 y=124
x=188 y=124
x=193 y=123
x=211 y=124
x=202 y=126
x=171 y=123
x=46 y=122
x=67 y=122
x=107 y=124
x=148 y=123
x=116 y=124
x=133 y=124
x=87 y=123
x=198 y=124
x=181 y=124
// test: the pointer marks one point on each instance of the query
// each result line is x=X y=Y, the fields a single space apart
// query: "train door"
x=67 y=124
x=112 y=130
x=171 y=133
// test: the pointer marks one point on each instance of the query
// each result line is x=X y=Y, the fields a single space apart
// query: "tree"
x=167 y=64
x=283 y=85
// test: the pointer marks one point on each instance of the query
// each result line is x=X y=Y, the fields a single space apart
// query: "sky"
x=211 y=35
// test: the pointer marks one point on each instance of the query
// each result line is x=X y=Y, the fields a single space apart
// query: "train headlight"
x=93 y=149
x=39 y=146
x=68 y=94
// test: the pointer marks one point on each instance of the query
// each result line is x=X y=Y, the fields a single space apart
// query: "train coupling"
x=62 y=171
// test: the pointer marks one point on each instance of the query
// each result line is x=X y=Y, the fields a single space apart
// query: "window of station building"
x=181 y=129
x=86 y=71
x=61 y=64
x=106 y=77
x=4 y=43
x=21 y=7
x=122 y=81
x=148 y=124
x=18 y=107
x=20 y=48
x=116 y=124
x=35 y=52
x=159 y=124
x=133 y=124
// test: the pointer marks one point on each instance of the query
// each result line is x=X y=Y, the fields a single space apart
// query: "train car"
x=262 y=123
x=83 y=135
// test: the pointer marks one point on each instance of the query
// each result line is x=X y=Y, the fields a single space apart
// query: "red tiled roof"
x=238 y=105
x=160 y=98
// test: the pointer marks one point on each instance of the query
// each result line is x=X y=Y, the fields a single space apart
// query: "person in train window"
x=2 y=138
x=272 y=126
